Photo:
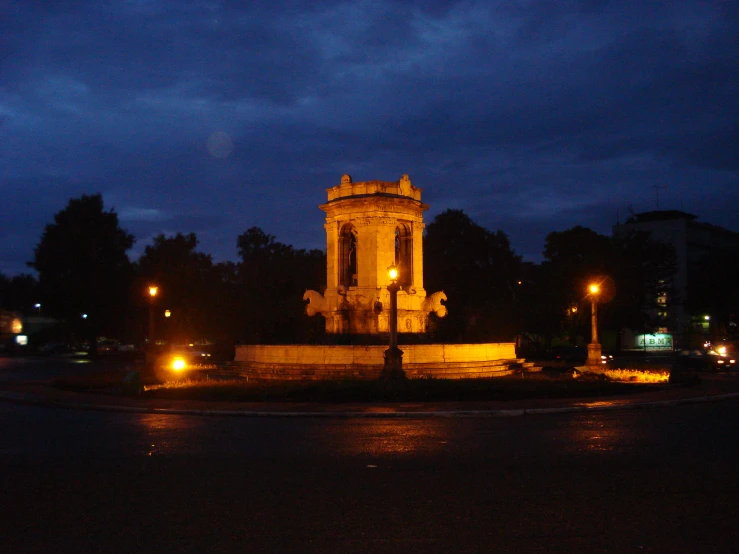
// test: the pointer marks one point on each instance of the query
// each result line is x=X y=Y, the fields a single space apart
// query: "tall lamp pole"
x=153 y=291
x=393 y=368
x=594 y=360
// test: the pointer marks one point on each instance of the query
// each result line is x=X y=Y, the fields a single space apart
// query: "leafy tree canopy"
x=19 y=293
x=273 y=277
x=479 y=273
x=636 y=268
x=82 y=264
x=189 y=287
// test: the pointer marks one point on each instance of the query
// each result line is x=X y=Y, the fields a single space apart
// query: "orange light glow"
x=594 y=289
x=16 y=326
x=153 y=291
x=392 y=272
x=637 y=375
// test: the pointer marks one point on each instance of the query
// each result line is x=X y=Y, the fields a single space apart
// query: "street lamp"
x=594 y=349
x=153 y=291
x=393 y=368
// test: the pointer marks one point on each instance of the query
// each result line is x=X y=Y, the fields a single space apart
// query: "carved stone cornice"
x=374 y=221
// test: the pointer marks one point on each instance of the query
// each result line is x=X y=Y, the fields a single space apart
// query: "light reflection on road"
x=390 y=437
x=169 y=434
x=601 y=434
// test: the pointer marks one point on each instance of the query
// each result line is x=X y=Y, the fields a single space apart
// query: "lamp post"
x=393 y=368
x=594 y=360
x=153 y=291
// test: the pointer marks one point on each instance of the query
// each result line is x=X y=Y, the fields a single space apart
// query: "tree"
x=479 y=272
x=83 y=268
x=272 y=278
x=714 y=292
x=639 y=268
x=18 y=293
x=189 y=286
x=644 y=269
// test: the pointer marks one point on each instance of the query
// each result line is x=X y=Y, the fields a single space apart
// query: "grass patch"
x=532 y=386
x=646 y=375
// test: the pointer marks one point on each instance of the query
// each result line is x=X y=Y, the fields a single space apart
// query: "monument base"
x=317 y=362
x=594 y=362
x=393 y=368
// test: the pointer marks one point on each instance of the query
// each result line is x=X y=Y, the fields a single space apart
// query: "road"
x=658 y=480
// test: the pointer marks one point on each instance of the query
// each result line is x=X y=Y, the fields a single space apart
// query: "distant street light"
x=594 y=360
x=393 y=356
x=38 y=307
x=153 y=291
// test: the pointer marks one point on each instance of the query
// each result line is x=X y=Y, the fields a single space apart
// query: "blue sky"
x=215 y=116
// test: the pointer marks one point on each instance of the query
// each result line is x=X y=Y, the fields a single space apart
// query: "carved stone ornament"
x=405 y=185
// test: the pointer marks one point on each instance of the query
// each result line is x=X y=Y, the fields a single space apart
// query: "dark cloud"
x=530 y=116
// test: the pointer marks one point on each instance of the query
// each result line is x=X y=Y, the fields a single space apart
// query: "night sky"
x=215 y=116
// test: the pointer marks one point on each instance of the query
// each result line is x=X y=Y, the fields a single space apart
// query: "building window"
x=404 y=253
x=348 y=256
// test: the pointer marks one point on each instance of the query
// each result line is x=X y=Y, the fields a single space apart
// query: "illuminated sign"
x=657 y=341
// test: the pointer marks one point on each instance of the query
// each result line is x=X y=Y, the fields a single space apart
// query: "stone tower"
x=370 y=226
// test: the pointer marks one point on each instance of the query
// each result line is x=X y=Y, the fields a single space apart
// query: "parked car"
x=706 y=359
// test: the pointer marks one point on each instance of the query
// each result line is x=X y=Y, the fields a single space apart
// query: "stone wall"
x=308 y=362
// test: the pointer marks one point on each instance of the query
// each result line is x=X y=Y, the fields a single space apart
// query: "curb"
x=31 y=399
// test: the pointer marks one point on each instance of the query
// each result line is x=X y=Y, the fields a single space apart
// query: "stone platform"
x=318 y=362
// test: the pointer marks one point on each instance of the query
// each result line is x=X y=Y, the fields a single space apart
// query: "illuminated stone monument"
x=370 y=226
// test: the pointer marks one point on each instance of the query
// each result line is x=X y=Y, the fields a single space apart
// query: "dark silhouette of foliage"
x=714 y=291
x=273 y=277
x=635 y=268
x=83 y=267
x=190 y=287
x=19 y=293
x=479 y=272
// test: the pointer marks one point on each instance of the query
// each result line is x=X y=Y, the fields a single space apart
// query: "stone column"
x=418 y=228
x=332 y=255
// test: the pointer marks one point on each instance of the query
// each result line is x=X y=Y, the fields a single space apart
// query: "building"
x=693 y=241
x=370 y=226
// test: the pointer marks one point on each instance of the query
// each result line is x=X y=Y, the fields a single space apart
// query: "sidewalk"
x=714 y=387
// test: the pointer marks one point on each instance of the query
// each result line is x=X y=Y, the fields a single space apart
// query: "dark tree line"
x=479 y=272
x=87 y=282
x=634 y=270
x=83 y=268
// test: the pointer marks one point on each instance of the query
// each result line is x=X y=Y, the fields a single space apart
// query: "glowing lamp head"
x=594 y=289
x=153 y=291
x=167 y=313
x=16 y=326
x=392 y=272
x=178 y=364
